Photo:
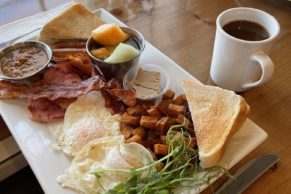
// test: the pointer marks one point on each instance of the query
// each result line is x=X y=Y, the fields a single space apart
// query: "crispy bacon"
x=111 y=102
x=127 y=96
x=72 y=75
x=80 y=61
x=50 y=91
x=9 y=90
x=57 y=76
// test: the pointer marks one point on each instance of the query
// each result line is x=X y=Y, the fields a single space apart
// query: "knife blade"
x=247 y=174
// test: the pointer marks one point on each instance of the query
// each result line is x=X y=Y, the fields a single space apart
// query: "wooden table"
x=185 y=29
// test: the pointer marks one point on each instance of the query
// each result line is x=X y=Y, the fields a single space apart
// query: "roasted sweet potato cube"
x=135 y=110
x=154 y=112
x=135 y=138
x=179 y=100
x=126 y=130
x=139 y=131
x=169 y=95
x=148 y=122
x=163 y=105
x=130 y=120
x=160 y=149
x=175 y=110
x=162 y=125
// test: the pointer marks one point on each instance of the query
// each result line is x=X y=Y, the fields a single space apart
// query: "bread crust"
x=76 y=22
x=217 y=115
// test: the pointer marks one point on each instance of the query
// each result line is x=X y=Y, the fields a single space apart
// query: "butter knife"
x=247 y=174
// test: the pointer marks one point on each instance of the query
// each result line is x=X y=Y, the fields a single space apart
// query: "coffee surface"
x=246 y=30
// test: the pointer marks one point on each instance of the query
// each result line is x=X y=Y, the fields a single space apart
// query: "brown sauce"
x=23 y=61
x=246 y=30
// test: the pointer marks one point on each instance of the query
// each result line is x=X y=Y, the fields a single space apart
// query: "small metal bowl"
x=33 y=76
x=117 y=70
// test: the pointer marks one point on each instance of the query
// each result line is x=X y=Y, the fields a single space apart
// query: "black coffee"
x=246 y=30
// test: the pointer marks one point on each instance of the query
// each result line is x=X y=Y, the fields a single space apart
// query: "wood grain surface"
x=185 y=29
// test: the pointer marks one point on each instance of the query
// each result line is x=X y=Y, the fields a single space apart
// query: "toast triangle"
x=217 y=115
x=76 y=22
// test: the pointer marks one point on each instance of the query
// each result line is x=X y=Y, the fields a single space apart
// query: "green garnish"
x=180 y=171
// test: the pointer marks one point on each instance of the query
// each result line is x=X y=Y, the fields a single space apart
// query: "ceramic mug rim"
x=270 y=17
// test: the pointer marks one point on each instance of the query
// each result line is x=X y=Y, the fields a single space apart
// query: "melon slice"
x=102 y=52
x=109 y=35
x=123 y=52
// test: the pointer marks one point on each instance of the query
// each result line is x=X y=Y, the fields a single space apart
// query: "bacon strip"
x=127 y=96
x=50 y=91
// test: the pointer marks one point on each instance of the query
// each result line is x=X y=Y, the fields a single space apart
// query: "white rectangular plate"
x=34 y=138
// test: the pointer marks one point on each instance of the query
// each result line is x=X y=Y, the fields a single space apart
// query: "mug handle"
x=267 y=67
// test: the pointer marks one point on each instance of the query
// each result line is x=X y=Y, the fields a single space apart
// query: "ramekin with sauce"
x=24 y=60
x=150 y=81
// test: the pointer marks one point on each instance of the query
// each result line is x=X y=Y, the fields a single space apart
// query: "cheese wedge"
x=217 y=115
x=76 y=22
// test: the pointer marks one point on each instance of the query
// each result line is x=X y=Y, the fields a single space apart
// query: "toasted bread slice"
x=217 y=115
x=76 y=22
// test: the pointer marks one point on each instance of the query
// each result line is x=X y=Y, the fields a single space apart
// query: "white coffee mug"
x=239 y=64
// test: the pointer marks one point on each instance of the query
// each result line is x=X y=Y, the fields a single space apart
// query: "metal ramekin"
x=117 y=70
x=15 y=46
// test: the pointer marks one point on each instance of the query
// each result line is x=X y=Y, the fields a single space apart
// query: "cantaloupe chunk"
x=102 y=52
x=122 y=52
x=109 y=35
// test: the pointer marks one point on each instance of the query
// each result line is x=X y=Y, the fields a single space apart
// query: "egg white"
x=107 y=152
x=85 y=120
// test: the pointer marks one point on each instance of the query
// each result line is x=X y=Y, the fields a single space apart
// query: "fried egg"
x=102 y=153
x=85 y=120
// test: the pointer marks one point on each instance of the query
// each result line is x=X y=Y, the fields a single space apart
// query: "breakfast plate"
x=35 y=139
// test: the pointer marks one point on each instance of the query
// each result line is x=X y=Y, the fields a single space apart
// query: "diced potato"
x=148 y=122
x=160 y=149
x=163 y=105
x=139 y=131
x=154 y=112
x=129 y=119
x=162 y=125
x=135 y=138
x=109 y=35
x=175 y=110
x=126 y=130
x=169 y=95
x=135 y=110
x=181 y=99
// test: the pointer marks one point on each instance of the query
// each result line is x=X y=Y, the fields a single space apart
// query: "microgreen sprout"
x=181 y=169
